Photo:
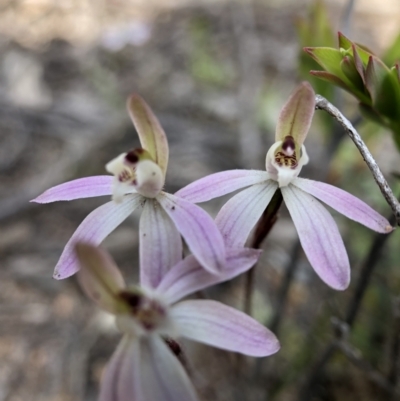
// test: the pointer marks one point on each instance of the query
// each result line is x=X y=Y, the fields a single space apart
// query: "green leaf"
x=344 y=42
x=384 y=88
x=370 y=114
x=358 y=63
x=349 y=69
x=329 y=59
x=363 y=52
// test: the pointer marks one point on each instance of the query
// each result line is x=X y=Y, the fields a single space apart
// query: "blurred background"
x=216 y=73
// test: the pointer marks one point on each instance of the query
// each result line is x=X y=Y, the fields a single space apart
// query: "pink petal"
x=219 y=184
x=160 y=244
x=93 y=230
x=240 y=214
x=151 y=134
x=188 y=276
x=162 y=375
x=198 y=229
x=345 y=203
x=122 y=375
x=221 y=326
x=88 y=187
x=319 y=237
x=99 y=277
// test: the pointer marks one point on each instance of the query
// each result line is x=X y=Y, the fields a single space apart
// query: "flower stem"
x=322 y=104
x=264 y=226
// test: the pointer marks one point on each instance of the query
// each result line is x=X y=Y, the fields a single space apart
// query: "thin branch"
x=323 y=104
x=355 y=357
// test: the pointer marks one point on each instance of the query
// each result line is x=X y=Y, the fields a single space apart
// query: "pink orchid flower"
x=318 y=232
x=139 y=177
x=144 y=368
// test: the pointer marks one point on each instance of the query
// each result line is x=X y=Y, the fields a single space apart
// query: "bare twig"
x=323 y=104
x=355 y=357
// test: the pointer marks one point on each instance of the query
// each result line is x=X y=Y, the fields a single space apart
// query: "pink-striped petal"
x=198 y=229
x=240 y=214
x=99 y=277
x=221 y=326
x=346 y=204
x=88 y=187
x=93 y=230
x=219 y=184
x=319 y=237
x=122 y=375
x=160 y=244
x=188 y=276
x=162 y=376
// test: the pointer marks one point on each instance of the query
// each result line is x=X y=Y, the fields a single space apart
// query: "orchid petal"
x=319 y=237
x=345 y=203
x=219 y=184
x=240 y=214
x=160 y=244
x=189 y=276
x=162 y=375
x=152 y=136
x=198 y=229
x=88 y=187
x=221 y=326
x=93 y=230
x=296 y=115
x=99 y=277
x=121 y=378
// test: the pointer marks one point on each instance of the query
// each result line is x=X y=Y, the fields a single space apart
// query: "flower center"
x=285 y=160
x=287 y=155
x=144 y=313
x=135 y=170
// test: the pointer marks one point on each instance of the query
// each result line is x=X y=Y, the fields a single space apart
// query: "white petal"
x=122 y=375
x=345 y=203
x=219 y=184
x=160 y=244
x=93 y=230
x=188 y=276
x=319 y=237
x=221 y=326
x=162 y=375
x=198 y=229
x=241 y=213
